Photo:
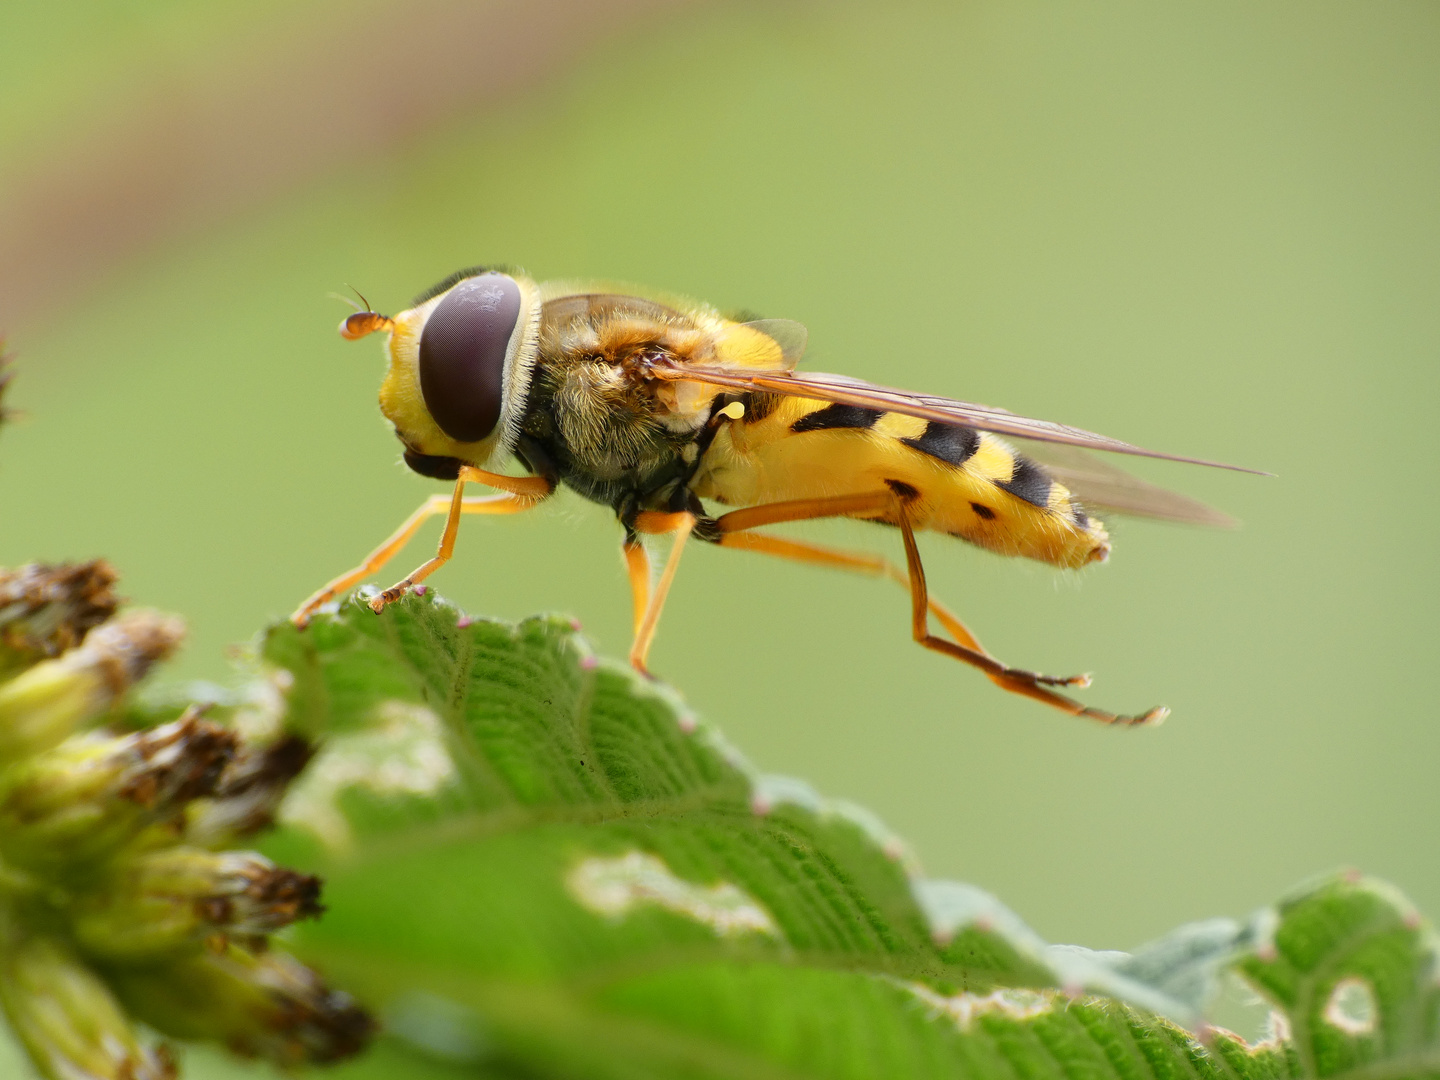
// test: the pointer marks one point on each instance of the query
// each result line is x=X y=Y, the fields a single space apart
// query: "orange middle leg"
x=647 y=617
x=637 y=568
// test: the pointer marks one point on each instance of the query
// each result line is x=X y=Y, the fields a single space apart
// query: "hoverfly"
x=654 y=405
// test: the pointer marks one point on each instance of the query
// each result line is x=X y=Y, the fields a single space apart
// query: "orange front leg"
x=531 y=490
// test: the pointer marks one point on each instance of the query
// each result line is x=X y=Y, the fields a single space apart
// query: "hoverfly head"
x=460 y=366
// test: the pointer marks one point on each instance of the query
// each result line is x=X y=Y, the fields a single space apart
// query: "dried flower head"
x=95 y=792
x=259 y=1003
x=117 y=900
x=249 y=792
x=45 y=610
x=45 y=703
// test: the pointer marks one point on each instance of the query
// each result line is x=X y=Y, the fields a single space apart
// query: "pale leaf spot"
x=402 y=753
x=438 y=1026
x=1012 y=1003
x=1351 y=1007
x=613 y=887
x=1277 y=1032
x=260 y=716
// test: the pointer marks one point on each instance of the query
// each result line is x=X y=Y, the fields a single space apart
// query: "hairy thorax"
x=612 y=433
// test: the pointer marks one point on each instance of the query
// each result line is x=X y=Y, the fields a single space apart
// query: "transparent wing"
x=585 y=305
x=1101 y=486
x=848 y=391
x=791 y=336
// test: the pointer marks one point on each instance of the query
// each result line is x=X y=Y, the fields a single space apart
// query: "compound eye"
x=462 y=355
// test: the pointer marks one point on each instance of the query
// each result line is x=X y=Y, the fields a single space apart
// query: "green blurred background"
x=1211 y=228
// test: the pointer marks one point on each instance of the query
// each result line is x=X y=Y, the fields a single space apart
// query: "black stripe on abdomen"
x=836 y=416
x=1029 y=482
x=950 y=443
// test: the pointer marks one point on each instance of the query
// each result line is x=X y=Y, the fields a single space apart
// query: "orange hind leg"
x=734 y=533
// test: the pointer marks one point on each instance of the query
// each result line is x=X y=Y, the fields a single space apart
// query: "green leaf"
x=1355 y=970
x=538 y=864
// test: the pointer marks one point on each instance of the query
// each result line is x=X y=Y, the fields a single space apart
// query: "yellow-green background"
x=1209 y=227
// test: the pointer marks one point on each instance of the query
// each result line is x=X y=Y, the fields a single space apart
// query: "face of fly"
x=460 y=362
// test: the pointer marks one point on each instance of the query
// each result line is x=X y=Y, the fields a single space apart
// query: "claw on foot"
x=641 y=669
x=1033 y=678
x=389 y=596
x=306 y=611
x=1155 y=716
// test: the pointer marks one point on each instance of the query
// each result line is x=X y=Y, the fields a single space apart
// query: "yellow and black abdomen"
x=968 y=483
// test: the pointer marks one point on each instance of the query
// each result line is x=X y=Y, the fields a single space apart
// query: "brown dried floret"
x=249 y=791
x=45 y=610
x=260 y=1004
x=94 y=792
x=180 y=898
